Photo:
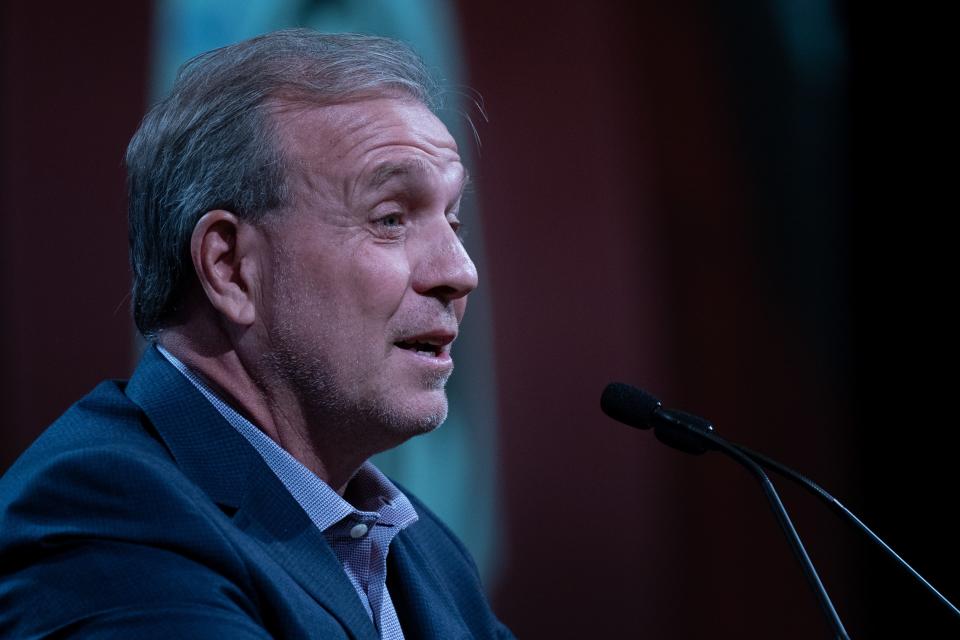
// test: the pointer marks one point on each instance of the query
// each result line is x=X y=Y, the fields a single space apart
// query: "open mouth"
x=422 y=348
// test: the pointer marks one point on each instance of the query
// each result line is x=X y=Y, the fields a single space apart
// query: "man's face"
x=368 y=278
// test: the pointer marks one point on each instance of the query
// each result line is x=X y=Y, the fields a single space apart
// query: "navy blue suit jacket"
x=141 y=513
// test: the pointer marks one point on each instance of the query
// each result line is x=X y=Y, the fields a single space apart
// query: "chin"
x=407 y=419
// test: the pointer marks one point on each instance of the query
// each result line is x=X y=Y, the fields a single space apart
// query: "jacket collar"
x=221 y=462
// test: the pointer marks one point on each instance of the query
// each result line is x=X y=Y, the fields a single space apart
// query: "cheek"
x=460 y=307
x=380 y=277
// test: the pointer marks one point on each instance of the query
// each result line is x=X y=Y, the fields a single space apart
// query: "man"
x=297 y=270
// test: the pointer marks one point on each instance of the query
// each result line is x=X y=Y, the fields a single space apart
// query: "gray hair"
x=211 y=144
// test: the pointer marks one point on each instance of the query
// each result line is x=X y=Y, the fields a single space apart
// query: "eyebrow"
x=390 y=170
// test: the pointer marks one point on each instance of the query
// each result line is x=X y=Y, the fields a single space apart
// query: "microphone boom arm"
x=838 y=508
x=717 y=443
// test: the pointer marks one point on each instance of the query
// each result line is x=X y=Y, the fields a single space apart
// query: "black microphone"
x=637 y=408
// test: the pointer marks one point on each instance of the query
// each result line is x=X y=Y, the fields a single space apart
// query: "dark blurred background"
x=739 y=206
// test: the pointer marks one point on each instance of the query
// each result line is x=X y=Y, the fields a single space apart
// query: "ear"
x=224 y=252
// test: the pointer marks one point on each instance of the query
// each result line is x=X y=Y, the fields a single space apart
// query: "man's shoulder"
x=99 y=428
x=101 y=471
x=98 y=512
x=97 y=465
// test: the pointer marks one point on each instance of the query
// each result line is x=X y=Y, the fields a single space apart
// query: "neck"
x=271 y=406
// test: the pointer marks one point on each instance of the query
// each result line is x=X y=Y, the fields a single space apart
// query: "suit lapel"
x=424 y=606
x=222 y=463
x=206 y=448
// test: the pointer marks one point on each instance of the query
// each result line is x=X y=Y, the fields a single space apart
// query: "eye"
x=391 y=220
x=456 y=225
x=390 y=226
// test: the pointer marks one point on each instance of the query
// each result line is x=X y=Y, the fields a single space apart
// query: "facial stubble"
x=326 y=391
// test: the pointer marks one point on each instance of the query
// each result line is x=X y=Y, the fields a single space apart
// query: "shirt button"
x=358 y=531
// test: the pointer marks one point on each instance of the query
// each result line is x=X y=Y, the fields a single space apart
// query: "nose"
x=443 y=269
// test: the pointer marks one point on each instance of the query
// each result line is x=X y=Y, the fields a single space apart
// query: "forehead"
x=372 y=140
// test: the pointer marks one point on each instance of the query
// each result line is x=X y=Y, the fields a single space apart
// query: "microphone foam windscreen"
x=629 y=405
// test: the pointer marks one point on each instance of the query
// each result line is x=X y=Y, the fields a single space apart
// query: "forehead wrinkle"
x=341 y=134
x=421 y=157
x=315 y=154
x=386 y=171
x=319 y=150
